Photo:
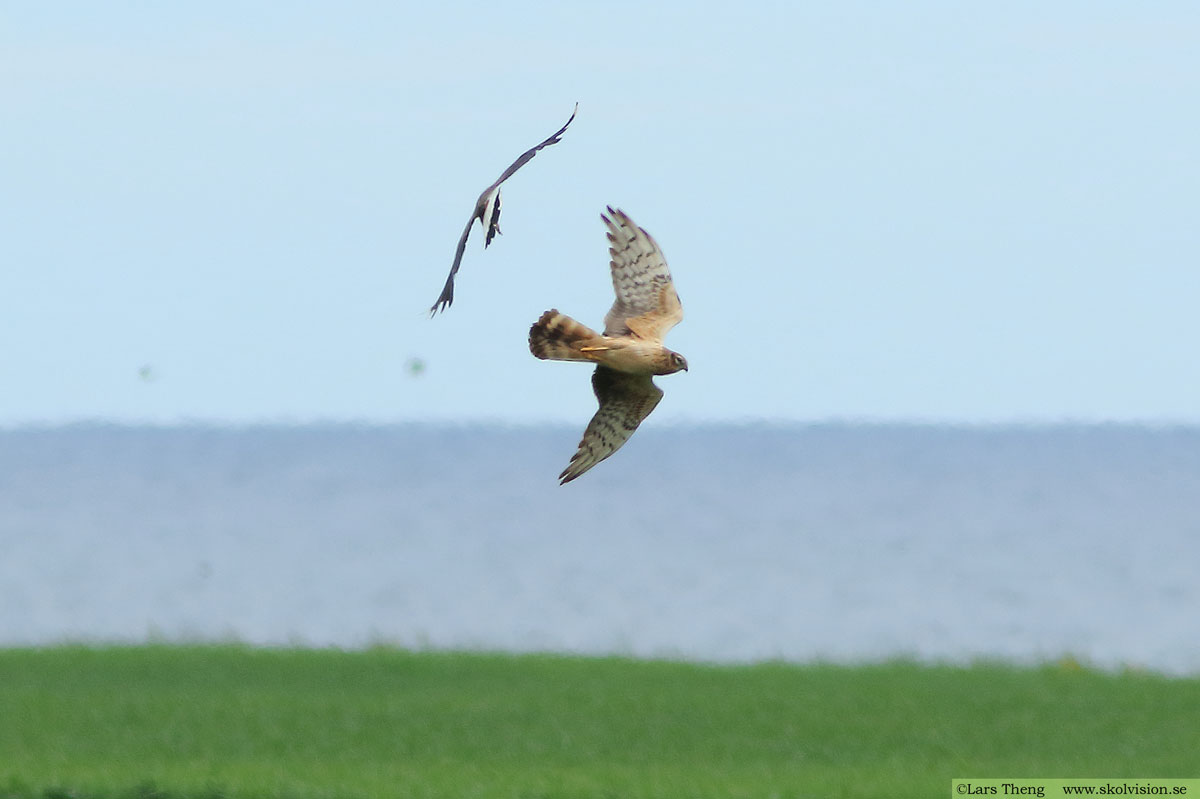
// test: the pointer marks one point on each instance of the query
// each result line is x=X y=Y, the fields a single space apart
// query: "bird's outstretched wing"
x=532 y=151
x=625 y=400
x=487 y=211
x=646 y=305
x=447 y=295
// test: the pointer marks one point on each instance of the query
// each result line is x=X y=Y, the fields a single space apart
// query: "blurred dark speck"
x=415 y=367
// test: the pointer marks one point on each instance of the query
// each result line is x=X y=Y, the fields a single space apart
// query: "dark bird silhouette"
x=487 y=211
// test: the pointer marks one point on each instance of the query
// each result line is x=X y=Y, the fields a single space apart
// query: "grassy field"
x=164 y=721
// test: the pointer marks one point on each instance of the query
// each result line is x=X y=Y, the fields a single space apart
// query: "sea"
x=844 y=543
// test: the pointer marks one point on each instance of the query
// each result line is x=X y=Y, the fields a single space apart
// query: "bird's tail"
x=558 y=337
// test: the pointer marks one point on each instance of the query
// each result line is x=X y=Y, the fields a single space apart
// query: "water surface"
x=714 y=543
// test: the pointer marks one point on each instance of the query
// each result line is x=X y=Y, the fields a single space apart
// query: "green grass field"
x=167 y=721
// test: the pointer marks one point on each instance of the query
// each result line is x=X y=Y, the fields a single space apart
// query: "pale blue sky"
x=934 y=211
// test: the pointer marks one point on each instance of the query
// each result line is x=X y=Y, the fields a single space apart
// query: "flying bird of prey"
x=630 y=349
x=487 y=211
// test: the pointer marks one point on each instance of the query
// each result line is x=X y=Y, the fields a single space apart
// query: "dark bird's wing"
x=447 y=295
x=625 y=400
x=487 y=211
x=525 y=157
x=646 y=305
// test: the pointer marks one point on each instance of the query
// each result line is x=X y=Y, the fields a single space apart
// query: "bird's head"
x=674 y=363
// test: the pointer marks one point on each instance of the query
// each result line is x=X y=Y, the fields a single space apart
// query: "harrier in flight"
x=487 y=211
x=630 y=350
